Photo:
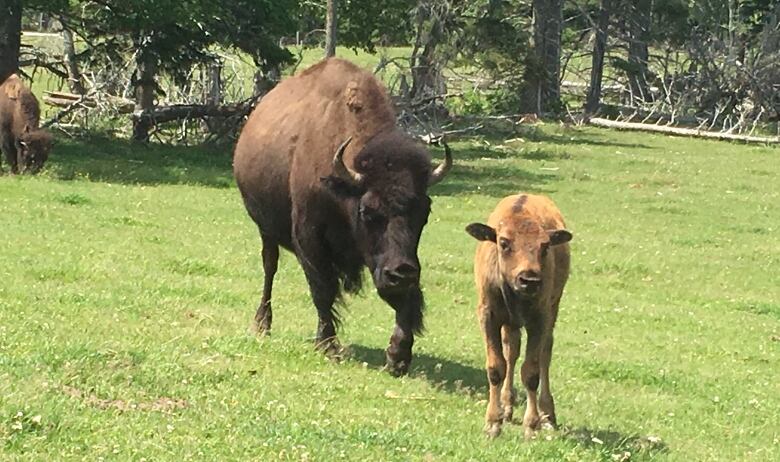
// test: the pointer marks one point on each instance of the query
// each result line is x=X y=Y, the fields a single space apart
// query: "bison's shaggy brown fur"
x=325 y=173
x=26 y=147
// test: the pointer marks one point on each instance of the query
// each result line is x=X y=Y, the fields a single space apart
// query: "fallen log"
x=189 y=111
x=64 y=100
x=63 y=113
x=692 y=132
x=62 y=95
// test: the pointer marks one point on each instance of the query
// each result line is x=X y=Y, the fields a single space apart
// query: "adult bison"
x=325 y=173
x=26 y=147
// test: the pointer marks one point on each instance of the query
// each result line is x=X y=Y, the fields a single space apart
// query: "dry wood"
x=66 y=102
x=692 y=132
x=189 y=111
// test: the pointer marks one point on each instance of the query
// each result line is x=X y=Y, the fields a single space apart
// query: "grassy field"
x=130 y=275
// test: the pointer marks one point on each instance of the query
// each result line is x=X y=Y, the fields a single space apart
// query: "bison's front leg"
x=9 y=151
x=323 y=284
x=408 y=320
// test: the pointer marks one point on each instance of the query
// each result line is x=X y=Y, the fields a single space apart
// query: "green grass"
x=130 y=275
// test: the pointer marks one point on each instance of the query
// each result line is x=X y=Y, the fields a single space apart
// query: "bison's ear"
x=559 y=236
x=481 y=232
x=341 y=187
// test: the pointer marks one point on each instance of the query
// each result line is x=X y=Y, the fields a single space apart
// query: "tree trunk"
x=10 y=37
x=214 y=96
x=597 y=68
x=266 y=78
x=145 y=86
x=427 y=80
x=331 y=27
x=638 y=30
x=71 y=64
x=544 y=89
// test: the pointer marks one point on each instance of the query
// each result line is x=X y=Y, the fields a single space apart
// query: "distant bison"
x=325 y=173
x=26 y=147
x=520 y=267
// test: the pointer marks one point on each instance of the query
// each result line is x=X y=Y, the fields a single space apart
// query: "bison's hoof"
x=492 y=429
x=331 y=348
x=397 y=368
x=260 y=329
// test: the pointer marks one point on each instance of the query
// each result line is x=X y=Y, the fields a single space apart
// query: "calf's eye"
x=505 y=245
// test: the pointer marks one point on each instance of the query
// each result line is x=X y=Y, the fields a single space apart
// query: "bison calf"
x=26 y=147
x=520 y=266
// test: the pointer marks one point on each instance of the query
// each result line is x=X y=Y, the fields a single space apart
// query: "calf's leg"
x=510 y=337
x=496 y=372
x=546 y=402
x=529 y=373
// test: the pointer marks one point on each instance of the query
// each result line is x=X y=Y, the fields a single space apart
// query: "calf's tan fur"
x=521 y=266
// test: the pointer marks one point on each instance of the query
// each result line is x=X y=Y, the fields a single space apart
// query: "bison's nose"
x=402 y=275
x=529 y=281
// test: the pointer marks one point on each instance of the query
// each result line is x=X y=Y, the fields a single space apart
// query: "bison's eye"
x=545 y=248
x=369 y=215
x=505 y=244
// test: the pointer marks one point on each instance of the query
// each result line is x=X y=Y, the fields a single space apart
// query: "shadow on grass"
x=120 y=161
x=454 y=377
x=618 y=445
x=503 y=168
x=442 y=373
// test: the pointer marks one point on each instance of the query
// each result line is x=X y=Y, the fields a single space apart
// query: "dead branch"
x=79 y=103
x=691 y=132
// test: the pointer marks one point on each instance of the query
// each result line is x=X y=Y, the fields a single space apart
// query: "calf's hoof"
x=547 y=423
x=508 y=413
x=492 y=429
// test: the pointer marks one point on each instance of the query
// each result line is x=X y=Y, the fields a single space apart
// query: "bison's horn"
x=341 y=170
x=441 y=171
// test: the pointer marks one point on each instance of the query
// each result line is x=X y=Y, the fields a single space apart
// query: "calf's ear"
x=341 y=188
x=481 y=232
x=559 y=236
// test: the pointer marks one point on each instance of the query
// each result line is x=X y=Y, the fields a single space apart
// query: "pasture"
x=129 y=276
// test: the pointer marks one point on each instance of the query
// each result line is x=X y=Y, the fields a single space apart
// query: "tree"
x=640 y=13
x=71 y=62
x=544 y=89
x=10 y=37
x=599 y=48
x=331 y=28
x=426 y=74
x=170 y=37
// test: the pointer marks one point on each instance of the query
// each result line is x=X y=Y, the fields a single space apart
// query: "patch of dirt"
x=163 y=404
